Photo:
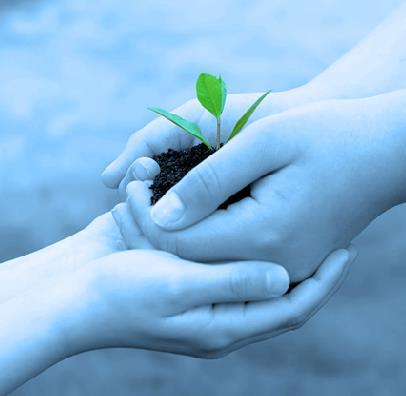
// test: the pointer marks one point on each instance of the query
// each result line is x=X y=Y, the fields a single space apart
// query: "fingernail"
x=145 y=168
x=167 y=210
x=277 y=282
x=140 y=172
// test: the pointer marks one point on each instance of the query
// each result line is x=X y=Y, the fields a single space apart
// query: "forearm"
x=376 y=65
x=34 y=328
x=101 y=237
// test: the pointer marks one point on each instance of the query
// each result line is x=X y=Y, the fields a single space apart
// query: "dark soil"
x=176 y=164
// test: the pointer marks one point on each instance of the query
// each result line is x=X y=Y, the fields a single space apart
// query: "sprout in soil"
x=211 y=91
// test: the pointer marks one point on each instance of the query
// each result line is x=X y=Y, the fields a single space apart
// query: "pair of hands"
x=151 y=299
x=319 y=174
x=333 y=163
x=159 y=301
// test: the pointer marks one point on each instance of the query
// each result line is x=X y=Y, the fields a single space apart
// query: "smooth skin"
x=56 y=303
x=376 y=65
x=326 y=159
x=70 y=297
x=320 y=174
x=86 y=293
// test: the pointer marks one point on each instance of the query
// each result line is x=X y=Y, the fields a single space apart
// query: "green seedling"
x=211 y=91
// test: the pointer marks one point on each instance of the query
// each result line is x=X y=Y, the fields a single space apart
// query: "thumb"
x=156 y=137
x=136 y=147
x=247 y=157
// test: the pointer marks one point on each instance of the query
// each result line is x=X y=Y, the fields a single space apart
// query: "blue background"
x=75 y=80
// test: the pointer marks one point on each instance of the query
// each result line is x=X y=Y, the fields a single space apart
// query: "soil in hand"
x=176 y=164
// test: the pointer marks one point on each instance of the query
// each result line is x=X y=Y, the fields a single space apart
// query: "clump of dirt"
x=176 y=164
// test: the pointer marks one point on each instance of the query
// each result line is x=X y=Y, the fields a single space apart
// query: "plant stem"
x=218 y=133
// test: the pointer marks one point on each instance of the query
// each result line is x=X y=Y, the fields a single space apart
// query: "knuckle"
x=134 y=138
x=208 y=179
x=239 y=285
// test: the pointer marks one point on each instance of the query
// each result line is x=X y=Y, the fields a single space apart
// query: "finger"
x=143 y=168
x=218 y=237
x=234 y=282
x=227 y=327
x=156 y=137
x=136 y=147
x=293 y=310
x=129 y=230
x=247 y=157
x=139 y=202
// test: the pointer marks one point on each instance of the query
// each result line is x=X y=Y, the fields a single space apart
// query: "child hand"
x=320 y=175
x=160 y=135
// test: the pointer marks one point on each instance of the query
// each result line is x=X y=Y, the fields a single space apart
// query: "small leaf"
x=188 y=126
x=212 y=93
x=240 y=124
x=223 y=94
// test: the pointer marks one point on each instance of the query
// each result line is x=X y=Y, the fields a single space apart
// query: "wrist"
x=91 y=318
x=379 y=149
x=101 y=237
x=73 y=302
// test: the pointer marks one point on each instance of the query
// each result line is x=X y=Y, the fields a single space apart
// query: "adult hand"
x=320 y=175
x=153 y=300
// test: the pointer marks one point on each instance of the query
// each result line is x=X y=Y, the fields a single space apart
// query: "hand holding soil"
x=312 y=168
x=335 y=162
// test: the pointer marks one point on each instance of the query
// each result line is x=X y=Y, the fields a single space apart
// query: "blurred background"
x=75 y=80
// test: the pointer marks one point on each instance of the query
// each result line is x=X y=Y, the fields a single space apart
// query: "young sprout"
x=211 y=91
x=212 y=94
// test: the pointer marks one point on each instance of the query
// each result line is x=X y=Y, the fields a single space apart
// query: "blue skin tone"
x=320 y=174
x=86 y=293
x=99 y=291
x=336 y=165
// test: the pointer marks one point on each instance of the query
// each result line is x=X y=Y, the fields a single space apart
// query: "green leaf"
x=212 y=93
x=240 y=124
x=188 y=126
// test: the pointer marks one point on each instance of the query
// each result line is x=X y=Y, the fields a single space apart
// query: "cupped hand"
x=320 y=174
x=160 y=135
x=153 y=300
